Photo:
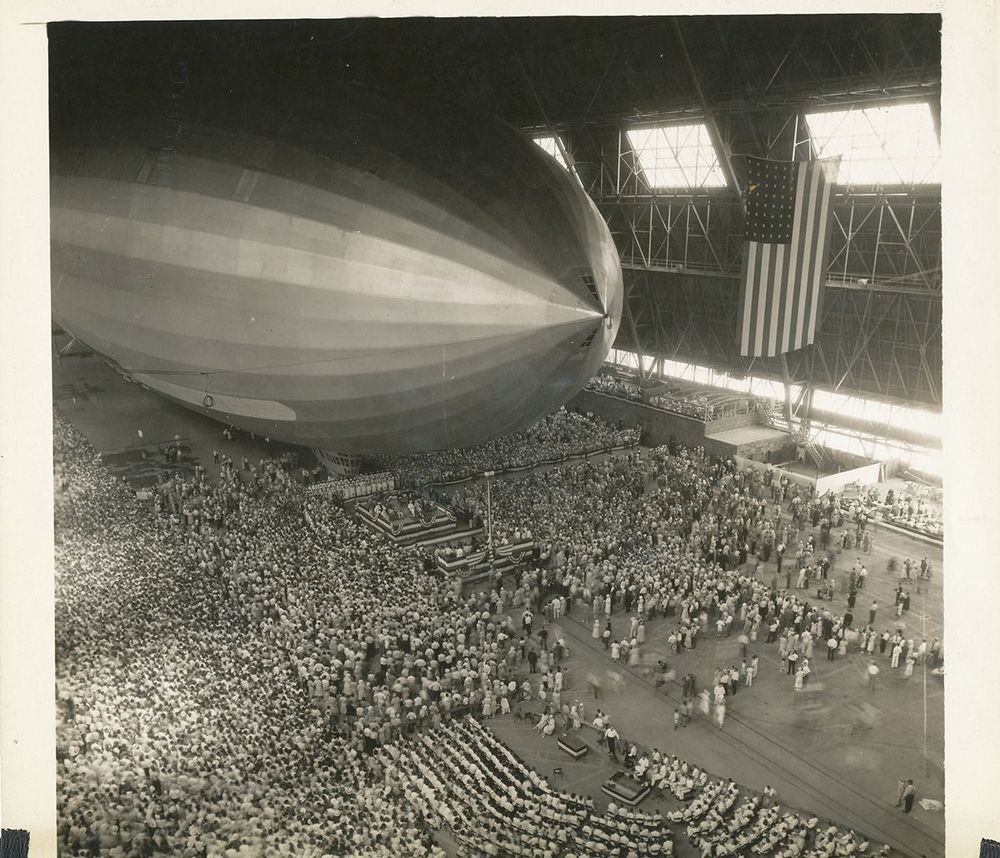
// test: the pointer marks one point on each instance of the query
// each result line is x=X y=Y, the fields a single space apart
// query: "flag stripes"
x=781 y=283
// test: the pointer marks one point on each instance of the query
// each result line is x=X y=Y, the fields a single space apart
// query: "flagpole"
x=489 y=517
x=787 y=379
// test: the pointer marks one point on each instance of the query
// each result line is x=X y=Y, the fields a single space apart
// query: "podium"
x=573 y=745
x=625 y=789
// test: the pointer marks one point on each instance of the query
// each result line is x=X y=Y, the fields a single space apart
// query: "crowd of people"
x=563 y=433
x=238 y=661
x=613 y=385
x=691 y=405
x=696 y=402
x=361 y=486
x=683 y=536
x=917 y=508
x=229 y=655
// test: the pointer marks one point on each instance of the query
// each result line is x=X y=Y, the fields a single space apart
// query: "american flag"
x=784 y=253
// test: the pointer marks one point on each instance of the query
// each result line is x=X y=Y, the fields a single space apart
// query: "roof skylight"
x=888 y=145
x=677 y=157
x=548 y=143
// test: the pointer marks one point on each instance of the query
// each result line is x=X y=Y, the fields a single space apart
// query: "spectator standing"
x=909 y=794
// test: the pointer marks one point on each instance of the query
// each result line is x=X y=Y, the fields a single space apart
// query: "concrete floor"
x=835 y=749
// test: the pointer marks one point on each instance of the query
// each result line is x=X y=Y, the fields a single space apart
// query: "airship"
x=360 y=275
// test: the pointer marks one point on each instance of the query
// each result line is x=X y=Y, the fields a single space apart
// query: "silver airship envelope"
x=368 y=275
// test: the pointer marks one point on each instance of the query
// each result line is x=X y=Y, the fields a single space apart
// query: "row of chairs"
x=757 y=827
x=482 y=791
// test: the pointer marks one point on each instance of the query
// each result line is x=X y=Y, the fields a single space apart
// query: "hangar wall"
x=871 y=342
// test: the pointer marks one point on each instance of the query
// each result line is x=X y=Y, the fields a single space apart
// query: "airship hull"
x=372 y=286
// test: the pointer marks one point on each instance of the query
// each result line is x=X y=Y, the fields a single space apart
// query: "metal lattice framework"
x=880 y=343
x=879 y=334
x=886 y=239
x=880 y=330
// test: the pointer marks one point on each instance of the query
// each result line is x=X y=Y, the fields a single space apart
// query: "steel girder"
x=886 y=239
x=882 y=243
x=637 y=71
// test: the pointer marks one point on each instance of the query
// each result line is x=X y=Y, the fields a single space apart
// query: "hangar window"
x=624 y=358
x=548 y=143
x=887 y=145
x=677 y=157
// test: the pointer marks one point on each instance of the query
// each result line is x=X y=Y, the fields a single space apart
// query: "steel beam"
x=721 y=148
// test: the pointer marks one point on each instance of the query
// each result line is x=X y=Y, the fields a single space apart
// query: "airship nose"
x=407 y=294
x=606 y=285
